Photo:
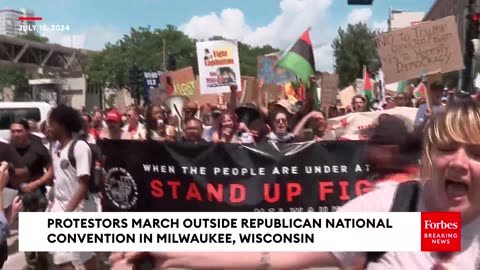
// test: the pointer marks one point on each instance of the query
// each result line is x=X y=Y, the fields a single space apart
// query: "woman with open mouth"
x=452 y=145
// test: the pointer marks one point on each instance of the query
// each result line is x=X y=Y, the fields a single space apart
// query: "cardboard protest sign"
x=422 y=49
x=218 y=66
x=346 y=96
x=183 y=82
x=329 y=87
x=356 y=123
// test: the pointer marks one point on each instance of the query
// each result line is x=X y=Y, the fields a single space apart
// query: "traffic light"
x=475 y=24
x=472 y=33
x=172 y=63
x=360 y=2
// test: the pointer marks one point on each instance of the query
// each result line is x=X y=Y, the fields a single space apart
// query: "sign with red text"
x=150 y=176
x=218 y=66
x=183 y=82
x=423 y=49
x=357 y=123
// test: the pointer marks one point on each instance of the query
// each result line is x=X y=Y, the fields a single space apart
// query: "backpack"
x=95 y=183
x=405 y=200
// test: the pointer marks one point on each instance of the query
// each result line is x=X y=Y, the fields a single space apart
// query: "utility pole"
x=164 y=56
x=471 y=33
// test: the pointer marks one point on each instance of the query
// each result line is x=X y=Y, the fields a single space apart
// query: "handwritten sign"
x=184 y=83
x=270 y=74
x=426 y=48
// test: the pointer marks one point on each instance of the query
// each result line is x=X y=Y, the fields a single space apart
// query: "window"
x=8 y=116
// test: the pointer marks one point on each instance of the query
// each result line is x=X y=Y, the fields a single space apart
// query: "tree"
x=354 y=48
x=34 y=36
x=143 y=46
x=11 y=77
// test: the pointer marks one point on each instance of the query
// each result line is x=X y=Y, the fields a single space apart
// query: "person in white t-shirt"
x=71 y=183
x=453 y=148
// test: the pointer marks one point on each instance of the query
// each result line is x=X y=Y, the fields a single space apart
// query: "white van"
x=12 y=111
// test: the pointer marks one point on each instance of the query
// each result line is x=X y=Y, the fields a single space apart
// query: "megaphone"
x=175 y=103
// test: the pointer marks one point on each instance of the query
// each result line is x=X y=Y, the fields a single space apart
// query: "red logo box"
x=441 y=231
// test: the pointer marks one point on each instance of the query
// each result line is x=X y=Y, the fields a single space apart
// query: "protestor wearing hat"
x=114 y=129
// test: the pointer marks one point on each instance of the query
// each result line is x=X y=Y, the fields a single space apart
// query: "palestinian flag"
x=402 y=87
x=367 y=86
x=299 y=59
x=420 y=90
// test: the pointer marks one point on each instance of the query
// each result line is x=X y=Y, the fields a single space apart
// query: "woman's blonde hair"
x=459 y=123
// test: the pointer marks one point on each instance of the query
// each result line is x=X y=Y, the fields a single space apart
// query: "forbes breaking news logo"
x=441 y=231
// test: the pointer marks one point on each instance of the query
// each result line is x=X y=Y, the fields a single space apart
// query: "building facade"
x=10 y=25
x=398 y=19
x=444 y=8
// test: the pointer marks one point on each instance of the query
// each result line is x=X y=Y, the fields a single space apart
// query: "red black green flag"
x=299 y=59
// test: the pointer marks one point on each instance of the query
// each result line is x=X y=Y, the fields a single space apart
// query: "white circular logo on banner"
x=121 y=188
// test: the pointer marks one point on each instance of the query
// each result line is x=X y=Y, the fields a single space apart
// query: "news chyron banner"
x=224 y=232
x=156 y=177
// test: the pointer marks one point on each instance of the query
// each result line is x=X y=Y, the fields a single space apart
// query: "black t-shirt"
x=8 y=154
x=36 y=157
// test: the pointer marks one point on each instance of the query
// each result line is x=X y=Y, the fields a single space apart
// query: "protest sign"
x=356 y=123
x=183 y=82
x=346 y=96
x=218 y=66
x=422 y=49
x=151 y=176
x=151 y=80
x=269 y=73
x=329 y=88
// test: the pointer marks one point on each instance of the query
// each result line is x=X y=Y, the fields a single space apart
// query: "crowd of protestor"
x=50 y=163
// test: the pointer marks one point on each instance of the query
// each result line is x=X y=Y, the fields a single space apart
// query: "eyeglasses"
x=281 y=120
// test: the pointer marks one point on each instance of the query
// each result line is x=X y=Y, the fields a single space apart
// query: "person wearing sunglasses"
x=280 y=132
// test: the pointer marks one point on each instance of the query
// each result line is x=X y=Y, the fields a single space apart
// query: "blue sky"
x=278 y=22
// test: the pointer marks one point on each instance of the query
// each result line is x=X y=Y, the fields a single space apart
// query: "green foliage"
x=144 y=46
x=34 y=36
x=354 y=48
x=10 y=77
x=110 y=101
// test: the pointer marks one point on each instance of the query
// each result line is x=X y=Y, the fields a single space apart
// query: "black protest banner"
x=151 y=176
